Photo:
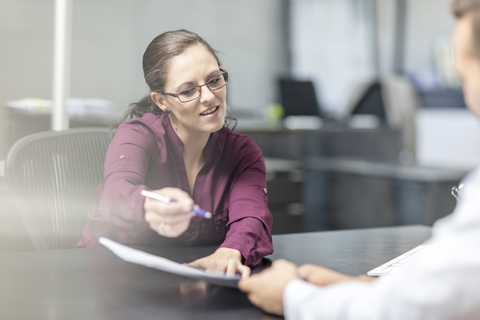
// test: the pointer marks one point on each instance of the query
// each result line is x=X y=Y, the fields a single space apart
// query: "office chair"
x=372 y=102
x=53 y=177
x=393 y=99
x=298 y=98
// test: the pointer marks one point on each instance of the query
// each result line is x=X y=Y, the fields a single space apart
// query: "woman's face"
x=206 y=114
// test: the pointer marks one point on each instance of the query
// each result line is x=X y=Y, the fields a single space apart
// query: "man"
x=444 y=283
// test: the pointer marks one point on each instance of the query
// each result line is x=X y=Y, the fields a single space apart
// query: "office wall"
x=428 y=24
x=458 y=147
x=110 y=36
x=25 y=54
x=428 y=21
x=385 y=25
x=332 y=45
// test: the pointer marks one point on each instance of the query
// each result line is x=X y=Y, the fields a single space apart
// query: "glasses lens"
x=217 y=82
x=213 y=84
x=189 y=94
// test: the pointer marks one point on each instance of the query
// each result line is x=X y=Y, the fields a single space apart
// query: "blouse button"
x=219 y=223
x=265 y=190
x=122 y=157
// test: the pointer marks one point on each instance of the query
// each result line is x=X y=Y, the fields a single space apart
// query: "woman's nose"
x=206 y=94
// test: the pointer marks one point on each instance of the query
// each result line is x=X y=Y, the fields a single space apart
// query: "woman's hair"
x=155 y=62
x=462 y=8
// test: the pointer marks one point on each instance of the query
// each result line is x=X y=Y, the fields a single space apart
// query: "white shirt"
x=443 y=283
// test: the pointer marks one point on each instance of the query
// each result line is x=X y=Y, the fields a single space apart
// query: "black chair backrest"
x=371 y=102
x=53 y=177
x=298 y=98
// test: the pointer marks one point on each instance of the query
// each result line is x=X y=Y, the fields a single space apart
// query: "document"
x=153 y=261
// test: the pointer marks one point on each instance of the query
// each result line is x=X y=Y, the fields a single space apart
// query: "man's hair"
x=461 y=8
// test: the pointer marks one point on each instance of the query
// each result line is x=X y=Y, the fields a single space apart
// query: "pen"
x=195 y=209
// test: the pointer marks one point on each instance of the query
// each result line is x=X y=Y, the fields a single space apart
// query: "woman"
x=177 y=144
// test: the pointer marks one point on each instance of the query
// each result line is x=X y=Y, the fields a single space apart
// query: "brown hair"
x=461 y=8
x=155 y=62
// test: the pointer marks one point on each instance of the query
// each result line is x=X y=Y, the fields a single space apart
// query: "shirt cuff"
x=250 y=238
x=344 y=300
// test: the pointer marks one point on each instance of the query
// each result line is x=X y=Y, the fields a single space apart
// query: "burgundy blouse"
x=146 y=153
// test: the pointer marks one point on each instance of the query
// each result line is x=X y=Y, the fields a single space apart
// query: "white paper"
x=156 y=262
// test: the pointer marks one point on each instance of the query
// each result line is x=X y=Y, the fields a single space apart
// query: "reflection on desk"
x=95 y=284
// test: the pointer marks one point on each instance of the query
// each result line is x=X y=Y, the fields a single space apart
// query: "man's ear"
x=159 y=100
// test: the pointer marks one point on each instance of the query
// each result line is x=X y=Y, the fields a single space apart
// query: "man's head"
x=466 y=40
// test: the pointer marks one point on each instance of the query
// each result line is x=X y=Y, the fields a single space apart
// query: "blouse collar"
x=214 y=143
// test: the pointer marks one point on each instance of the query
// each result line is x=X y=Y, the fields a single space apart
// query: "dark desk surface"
x=95 y=284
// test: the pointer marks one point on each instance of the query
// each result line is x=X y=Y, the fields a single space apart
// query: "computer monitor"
x=298 y=98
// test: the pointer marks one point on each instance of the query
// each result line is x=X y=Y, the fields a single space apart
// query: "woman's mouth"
x=209 y=111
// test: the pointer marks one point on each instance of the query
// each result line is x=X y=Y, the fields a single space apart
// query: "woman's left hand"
x=224 y=260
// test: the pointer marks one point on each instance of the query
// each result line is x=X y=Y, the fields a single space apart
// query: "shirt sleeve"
x=440 y=284
x=305 y=301
x=249 y=227
x=126 y=163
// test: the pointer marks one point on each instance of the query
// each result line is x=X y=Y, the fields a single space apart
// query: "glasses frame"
x=456 y=191
x=175 y=95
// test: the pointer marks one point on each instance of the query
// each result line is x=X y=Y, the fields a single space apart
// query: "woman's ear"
x=159 y=100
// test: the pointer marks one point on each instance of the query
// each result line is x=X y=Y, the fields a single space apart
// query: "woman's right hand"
x=169 y=219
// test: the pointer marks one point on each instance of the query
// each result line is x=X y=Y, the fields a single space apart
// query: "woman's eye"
x=187 y=92
x=214 y=80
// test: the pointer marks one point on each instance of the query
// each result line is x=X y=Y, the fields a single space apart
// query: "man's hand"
x=224 y=260
x=321 y=276
x=265 y=289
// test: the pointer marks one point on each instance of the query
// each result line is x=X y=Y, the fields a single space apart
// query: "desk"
x=333 y=140
x=95 y=284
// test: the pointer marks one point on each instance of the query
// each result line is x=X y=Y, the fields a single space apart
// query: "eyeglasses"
x=217 y=82
x=456 y=191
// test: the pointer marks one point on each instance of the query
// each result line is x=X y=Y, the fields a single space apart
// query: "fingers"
x=265 y=289
x=169 y=219
x=305 y=271
x=170 y=230
x=231 y=268
x=225 y=260
x=248 y=284
x=168 y=226
x=279 y=268
x=157 y=217
x=182 y=202
x=234 y=266
x=166 y=210
x=244 y=271
x=321 y=276
x=197 y=264
x=228 y=267
x=181 y=197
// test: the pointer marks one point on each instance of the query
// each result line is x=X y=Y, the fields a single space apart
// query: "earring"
x=166 y=111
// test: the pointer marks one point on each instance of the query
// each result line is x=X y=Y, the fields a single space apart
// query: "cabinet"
x=346 y=193
x=340 y=178
x=285 y=180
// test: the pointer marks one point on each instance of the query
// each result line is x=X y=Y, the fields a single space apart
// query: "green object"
x=275 y=111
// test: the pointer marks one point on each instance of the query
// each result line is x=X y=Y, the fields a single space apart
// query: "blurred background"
x=354 y=103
